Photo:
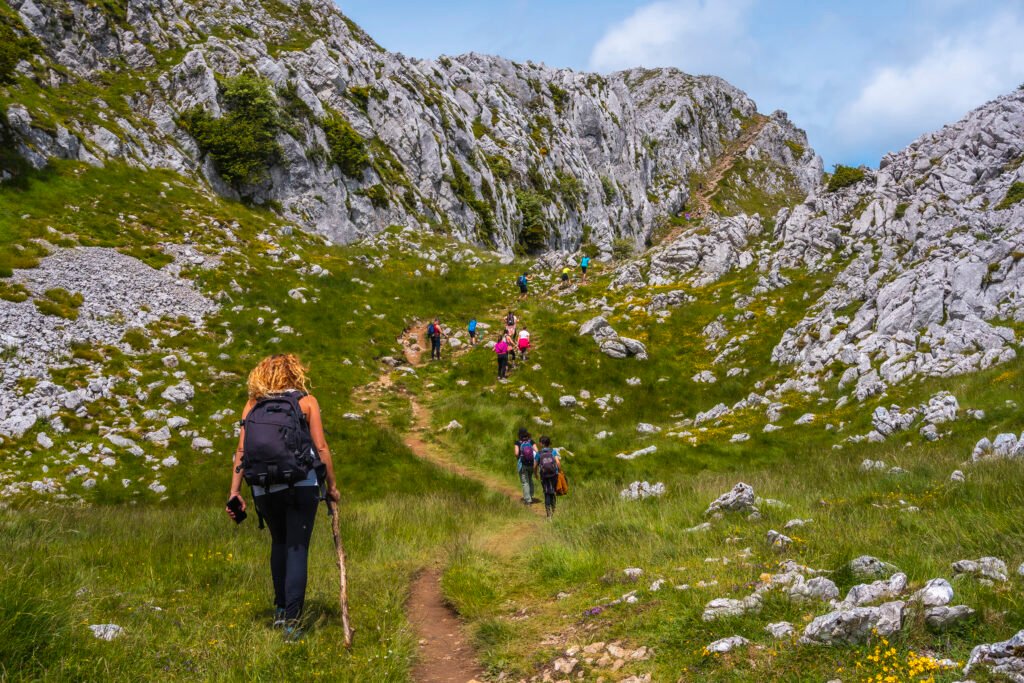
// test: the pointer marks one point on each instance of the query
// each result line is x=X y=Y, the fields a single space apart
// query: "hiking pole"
x=332 y=510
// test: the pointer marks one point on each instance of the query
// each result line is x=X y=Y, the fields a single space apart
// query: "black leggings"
x=289 y=515
x=549 y=484
x=502 y=365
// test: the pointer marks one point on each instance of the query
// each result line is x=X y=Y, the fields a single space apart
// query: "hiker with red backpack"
x=548 y=465
x=525 y=451
x=434 y=332
x=283 y=456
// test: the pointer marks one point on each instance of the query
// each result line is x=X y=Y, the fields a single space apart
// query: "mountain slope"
x=487 y=150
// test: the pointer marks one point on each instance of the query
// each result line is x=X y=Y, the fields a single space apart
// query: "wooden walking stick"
x=332 y=510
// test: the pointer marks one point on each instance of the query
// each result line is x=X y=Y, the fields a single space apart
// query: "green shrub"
x=60 y=303
x=901 y=209
x=346 y=145
x=844 y=176
x=559 y=96
x=378 y=195
x=533 y=235
x=608 y=185
x=15 y=292
x=622 y=248
x=463 y=189
x=13 y=49
x=1014 y=195
x=361 y=94
x=499 y=165
x=796 y=148
x=479 y=129
x=243 y=142
x=137 y=339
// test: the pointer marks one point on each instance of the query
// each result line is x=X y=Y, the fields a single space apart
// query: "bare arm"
x=236 y=463
x=316 y=429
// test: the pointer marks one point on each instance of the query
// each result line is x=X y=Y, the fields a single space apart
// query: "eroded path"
x=445 y=652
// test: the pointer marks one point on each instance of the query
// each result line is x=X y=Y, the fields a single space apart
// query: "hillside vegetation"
x=788 y=404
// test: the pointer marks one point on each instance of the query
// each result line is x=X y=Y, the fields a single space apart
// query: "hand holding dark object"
x=236 y=508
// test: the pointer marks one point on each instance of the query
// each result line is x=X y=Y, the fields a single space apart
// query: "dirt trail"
x=700 y=203
x=445 y=653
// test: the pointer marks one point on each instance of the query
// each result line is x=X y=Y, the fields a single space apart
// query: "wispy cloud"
x=695 y=35
x=953 y=75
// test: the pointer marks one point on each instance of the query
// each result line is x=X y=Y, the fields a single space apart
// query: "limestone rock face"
x=932 y=259
x=617 y=151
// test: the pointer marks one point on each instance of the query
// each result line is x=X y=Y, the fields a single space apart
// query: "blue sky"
x=862 y=78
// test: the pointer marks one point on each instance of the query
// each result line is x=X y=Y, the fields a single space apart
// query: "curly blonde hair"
x=276 y=374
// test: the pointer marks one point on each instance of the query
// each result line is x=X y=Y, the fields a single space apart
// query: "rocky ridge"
x=485 y=148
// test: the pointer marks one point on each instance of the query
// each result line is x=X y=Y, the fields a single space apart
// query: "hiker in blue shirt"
x=548 y=465
x=584 y=264
x=472 y=331
x=523 y=281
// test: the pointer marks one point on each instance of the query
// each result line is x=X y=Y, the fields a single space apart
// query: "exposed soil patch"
x=445 y=654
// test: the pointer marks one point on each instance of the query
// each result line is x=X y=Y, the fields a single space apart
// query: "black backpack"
x=278 y=447
x=526 y=453
x=547 y=464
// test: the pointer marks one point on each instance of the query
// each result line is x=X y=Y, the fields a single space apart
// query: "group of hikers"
x=283 y=456
x=543 y=463
x=512 y=342
x=523 y=281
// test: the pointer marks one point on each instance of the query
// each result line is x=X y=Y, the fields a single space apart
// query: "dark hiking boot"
x=279 y=620
x=293 y=632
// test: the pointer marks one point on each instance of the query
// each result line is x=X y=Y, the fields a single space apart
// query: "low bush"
x=242 y=142
x=61 y=303
x=844 y=176
x=1013 y=196
x=346 y=146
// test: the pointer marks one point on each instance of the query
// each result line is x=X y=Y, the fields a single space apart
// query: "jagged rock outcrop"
x=478 y=145
x=936 y=257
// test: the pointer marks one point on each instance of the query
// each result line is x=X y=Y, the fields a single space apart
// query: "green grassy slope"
x=125 y=551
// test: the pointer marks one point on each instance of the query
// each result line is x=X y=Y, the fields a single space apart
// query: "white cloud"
x=698 y=36
x=953 y=76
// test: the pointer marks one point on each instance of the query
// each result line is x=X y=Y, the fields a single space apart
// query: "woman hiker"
x=278 y=383
x=501 y=350
x=524 y=343
x=524 y=450
x=548 y=465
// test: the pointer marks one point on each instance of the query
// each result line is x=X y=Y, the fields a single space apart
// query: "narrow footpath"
x=445 y=653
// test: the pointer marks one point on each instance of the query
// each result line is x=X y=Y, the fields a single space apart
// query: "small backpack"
x=522 y=280
x=547 y=464
x=430 y=330
x=278 y=447
x=510 y=320
x=526 y=453
x=472 y=325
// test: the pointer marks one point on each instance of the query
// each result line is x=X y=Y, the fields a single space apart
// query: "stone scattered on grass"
x=106 y=631
x=1006 y=657
x=642 y=489
x=990 y=568
x=739 y=499
x=723 y=645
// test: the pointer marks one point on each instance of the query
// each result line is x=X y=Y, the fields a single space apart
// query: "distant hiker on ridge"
x=285 y=474
x=472 y=331
x=584 y=264
x=565 y=276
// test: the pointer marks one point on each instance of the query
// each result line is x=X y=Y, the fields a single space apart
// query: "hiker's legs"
x=502 y=365
x=273 y=513
x=549 y=494
x=301 y=515
x=435 y=348
x=526 y=478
